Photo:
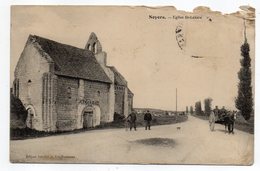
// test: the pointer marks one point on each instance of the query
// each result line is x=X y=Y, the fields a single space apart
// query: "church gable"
x=32 y=60
x=29 y=71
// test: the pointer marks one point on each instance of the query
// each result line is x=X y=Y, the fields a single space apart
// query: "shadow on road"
x=162 y=142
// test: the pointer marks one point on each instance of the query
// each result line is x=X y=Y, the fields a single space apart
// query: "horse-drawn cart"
x=226 y=118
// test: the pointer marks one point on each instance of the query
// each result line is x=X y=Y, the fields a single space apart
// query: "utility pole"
x=245 y=30
x=176 y=101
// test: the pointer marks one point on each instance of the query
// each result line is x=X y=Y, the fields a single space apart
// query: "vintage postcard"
x=132 y=85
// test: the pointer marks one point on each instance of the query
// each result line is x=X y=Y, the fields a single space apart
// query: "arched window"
x=69 y=92
x=95 y=47
x=29 y=82
x=98 y=93
x=89 y=47
x=30 y=116
x=30 y=112
x=16 y=87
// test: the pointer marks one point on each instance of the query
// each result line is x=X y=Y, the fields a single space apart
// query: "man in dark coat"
x=131 y=118
x=148 y=119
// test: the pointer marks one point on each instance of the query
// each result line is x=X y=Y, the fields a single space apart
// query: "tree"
x=207 y=106
x=18 y=113
x=191 y=110
x=187 y=109
x=198 y=110
x=244 y=99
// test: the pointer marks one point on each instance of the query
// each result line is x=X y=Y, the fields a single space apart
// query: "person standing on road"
x=132 y=120
x=148 y=119
x=216 y=112
x=212 y=119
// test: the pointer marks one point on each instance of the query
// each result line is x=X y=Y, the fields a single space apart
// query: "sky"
x=145 y=50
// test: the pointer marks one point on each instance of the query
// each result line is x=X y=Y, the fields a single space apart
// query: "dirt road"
x=192 y=143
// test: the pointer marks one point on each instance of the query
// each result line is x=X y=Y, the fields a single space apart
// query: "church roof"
x=130 y=92
x=119 y=79
x=72 y=61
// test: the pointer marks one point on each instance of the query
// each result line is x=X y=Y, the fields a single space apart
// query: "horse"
x=229 y=120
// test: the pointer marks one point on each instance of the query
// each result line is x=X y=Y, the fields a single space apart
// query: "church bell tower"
x=93 y=44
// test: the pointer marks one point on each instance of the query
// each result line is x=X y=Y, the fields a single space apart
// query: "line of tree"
x=187 y=109
x=191 y=110
x=207 y=106
x=198 y=109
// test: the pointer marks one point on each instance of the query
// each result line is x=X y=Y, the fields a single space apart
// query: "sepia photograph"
x=132 y=85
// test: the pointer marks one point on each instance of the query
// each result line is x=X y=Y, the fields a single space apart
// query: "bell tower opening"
x=93 y=44
x=89 y=47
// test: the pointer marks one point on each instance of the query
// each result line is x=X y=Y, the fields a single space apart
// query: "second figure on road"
x=148 y=119
x=131 y=118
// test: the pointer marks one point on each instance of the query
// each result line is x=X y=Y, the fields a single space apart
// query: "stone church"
x=65 y=88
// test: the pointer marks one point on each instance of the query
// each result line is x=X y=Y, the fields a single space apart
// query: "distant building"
x=66 y=88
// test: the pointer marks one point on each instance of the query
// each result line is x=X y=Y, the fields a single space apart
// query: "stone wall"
x=98 y=92
x=130 y=104
x=66 y=103
x=102 y=60
x=119 y=99
x=28 y=75
x=69 y=95
x=49 y=94
x=126 y=111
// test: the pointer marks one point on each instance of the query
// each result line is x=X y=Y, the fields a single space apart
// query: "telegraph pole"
x=245 y=30
x=176 y=101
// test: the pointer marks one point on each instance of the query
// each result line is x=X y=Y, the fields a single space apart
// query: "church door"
x=87 y=119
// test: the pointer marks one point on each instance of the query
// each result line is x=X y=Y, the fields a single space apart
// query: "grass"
x=240 y=123
x=27 y=133
x=247 y=126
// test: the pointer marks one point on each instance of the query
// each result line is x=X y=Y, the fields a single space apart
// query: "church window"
x=29 y=88
x=30 y=112
x=69 y=92
x=89 y=47
x=16 y=87
x=95 y=47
